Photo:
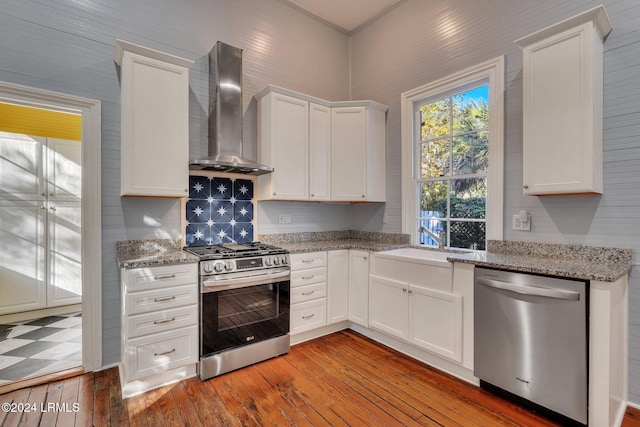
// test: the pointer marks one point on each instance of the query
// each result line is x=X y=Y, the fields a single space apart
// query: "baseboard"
x=37 y=314
x=42 y=379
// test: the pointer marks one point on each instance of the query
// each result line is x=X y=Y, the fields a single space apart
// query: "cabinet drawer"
x=160 y=321
x=160 y=299
x=142 y=279
x=308 y=315
x=157 y=353
x=308 y=260
x=308 y=292
x=309 y=276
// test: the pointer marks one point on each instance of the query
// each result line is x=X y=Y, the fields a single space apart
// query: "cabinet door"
x=337 y=286
x=388 y=306
x=562 y=114
x=22 y=256
x=65 y=254
x=21 y=166
x=64 y=169
x=435 y=322
x=288 y=144
x=319 y=152
x=155 y=127
x=359 y=287
x=348 y=154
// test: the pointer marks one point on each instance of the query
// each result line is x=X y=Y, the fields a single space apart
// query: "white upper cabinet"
x=284 y=145
x=358 y=153
x=320 y=150
x=155 y=122
x=562 y=121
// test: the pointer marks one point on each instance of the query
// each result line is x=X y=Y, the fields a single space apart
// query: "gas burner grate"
x=234 y=250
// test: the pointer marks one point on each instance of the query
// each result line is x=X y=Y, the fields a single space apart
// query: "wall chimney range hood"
x=225 y=115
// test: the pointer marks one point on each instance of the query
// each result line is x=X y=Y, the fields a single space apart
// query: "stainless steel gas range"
x=244 y=305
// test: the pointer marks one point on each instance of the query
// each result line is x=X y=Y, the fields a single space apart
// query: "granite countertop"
x=572 y=261
x=297 y=243
x=152 y=253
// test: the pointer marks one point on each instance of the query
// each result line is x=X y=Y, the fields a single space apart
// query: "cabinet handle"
x=308 y=277
x=168 y=276
x=312 y=194
x=306 y=261
x=165 y=353
x=410 y=291
x=363 y=196
x=404 y=289
x=308 y=293
x=309 y=316
x=525 y=186
x=43 y=207
x=53 y=208
x=364 y=258
x=160 y=322
x=164 y=299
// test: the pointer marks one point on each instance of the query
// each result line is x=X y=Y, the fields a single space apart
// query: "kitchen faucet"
x=440 y=237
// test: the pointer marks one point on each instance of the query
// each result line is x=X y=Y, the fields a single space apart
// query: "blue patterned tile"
x=221 y=188
x=198 y=235
x=243 y=232
x=243 y=189
x=243 y=211
x=221 y=211
x=199 y=187
x=222 y=233
x=198 y=211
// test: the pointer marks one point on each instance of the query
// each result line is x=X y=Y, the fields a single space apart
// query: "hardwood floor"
x=340 y=379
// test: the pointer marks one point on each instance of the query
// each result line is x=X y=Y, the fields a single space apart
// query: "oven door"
x=240 y=309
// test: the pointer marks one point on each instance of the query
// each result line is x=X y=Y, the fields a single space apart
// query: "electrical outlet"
x=520 y=225
x=284 y=219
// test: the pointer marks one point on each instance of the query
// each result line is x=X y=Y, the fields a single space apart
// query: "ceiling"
x=344 y=15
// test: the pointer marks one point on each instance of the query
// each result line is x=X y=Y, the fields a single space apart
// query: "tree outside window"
x=453 y=153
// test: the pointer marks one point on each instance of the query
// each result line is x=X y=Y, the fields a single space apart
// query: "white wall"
x=68 y=46
x=421 y=41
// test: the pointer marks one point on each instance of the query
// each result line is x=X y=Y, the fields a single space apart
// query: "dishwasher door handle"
x=530 y=290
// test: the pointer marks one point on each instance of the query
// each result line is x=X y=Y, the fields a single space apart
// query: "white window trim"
x=493 y=72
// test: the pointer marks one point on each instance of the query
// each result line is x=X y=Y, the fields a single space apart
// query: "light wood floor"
x=338 y=380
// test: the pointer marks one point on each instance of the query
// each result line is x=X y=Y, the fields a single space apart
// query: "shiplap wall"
x=421 y=41
x=68 y=46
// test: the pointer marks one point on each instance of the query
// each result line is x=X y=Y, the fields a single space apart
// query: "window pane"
x=470 y=110
x=435 y=120
x=471 y=153
x=468 y=198
x=465 y=234
x=434 y=159
x=436 y=227
x=433 y=199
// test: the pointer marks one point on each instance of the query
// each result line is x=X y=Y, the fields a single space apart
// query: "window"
x=452 y=159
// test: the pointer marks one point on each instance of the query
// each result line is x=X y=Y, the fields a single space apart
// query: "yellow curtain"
x=40 y=122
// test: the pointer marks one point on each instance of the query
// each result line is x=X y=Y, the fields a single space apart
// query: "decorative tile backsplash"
x=219 y=210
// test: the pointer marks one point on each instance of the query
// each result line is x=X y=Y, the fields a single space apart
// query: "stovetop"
x=234 y=250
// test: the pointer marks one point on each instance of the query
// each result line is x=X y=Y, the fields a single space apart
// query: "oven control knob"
x=268 y=261
x=218 y=266
x=283 y=259
x=207 y=267
x=228 y=266
x=276 y=260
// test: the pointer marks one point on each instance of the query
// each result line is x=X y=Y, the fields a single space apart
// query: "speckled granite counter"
x=151 y=253
x=573 y=261
x=335 y=240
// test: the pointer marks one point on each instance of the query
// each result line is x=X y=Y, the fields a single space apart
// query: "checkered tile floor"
x=40 y=346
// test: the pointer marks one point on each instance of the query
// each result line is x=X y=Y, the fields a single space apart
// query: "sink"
x=424 y=256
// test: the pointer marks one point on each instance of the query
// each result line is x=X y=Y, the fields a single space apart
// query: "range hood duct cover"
x=225 y=115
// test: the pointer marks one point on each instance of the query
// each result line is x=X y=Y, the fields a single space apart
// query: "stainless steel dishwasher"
x=530 y=339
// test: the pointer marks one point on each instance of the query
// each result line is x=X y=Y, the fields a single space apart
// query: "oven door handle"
x=260 y=278
x=530 y=290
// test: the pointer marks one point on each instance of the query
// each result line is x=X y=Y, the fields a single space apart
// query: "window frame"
x=491 y=72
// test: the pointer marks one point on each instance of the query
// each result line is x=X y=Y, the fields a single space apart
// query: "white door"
x=22 y=256
x=319 y=152
x=388 y=306
x=337 y=286
x=359 y=287
x=64 y=285
x=348 y=154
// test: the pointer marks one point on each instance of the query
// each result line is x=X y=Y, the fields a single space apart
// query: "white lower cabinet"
x=159 y=326
x=308 y=291
x=359 y=287
x=337 y=286
x=424 y=311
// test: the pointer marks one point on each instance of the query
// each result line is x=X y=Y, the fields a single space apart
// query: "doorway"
x=50 y=271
